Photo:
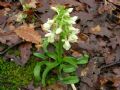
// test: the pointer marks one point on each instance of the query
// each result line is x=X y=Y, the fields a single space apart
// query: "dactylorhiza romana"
x=61 y=28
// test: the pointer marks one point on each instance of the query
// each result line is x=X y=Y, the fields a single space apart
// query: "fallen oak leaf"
x=28 y=33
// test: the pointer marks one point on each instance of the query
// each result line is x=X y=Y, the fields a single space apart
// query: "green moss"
x=13 y=76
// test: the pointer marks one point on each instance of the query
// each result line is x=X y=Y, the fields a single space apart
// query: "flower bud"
x=54 y=8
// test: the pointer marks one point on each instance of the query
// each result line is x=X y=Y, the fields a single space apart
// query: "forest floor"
x=99 y=24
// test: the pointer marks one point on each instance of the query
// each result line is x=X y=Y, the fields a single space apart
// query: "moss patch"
x=13 y=76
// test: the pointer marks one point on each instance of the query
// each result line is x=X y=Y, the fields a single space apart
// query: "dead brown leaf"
x=9 y=38
x=56 y=86
x=5 y=4
x=102 y=31
x=25 y=52
x=69 y=3
x=96 y=29
x=28 y=33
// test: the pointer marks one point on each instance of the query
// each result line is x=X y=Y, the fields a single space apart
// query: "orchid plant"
x=60 y=33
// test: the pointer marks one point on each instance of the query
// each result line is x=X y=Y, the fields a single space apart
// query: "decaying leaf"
x=96 y=29
x=117 y=2
x=75 y=3
x=9 y=38
x=102 y=31
x=5 y=4
x=28 y=33
x=25 y=52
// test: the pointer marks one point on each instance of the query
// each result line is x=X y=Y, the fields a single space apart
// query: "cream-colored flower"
x=50 y=36
x=70 y=10
x=58 y=30
x=48 y=24
x=72 y=38
x=66 y=45
x=75 y=30
x=73 y=20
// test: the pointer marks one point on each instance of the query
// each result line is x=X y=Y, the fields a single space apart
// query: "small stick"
x=73 y=86
x=110 y=65
x=3 y=52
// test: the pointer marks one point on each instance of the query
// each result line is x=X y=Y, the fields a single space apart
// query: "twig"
x=73 y=86
x=3 y=52
x=110 y=65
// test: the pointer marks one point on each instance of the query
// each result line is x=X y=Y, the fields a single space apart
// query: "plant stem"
x=59 y=51
x=73 y=86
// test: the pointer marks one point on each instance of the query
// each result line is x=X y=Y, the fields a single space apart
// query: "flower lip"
x=66 y=45
x=58 y=30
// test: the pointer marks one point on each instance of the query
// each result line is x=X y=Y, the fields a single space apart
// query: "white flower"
x=66 y=45
x=50 y=21
x=58 y=30
x=47 y=25
x=75 y=30
x=73 y=20
x=72 y=38
x=50 y=36
x=70 y=10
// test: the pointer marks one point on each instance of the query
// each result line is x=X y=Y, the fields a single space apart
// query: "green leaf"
x=83 y=59
x=70 y=60
x=37 y=70
x=52 y=55
x=48 y=68
x=69 y=68
x=70 y=80
x=45 y=44
x=39 y=55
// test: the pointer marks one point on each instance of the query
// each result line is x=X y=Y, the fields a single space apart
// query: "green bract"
x=59 y=33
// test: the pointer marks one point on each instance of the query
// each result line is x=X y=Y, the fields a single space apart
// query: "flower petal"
x=73 y=38
x=70 y=10
x=66 y=45
x=48 y=34
x=58 y=30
